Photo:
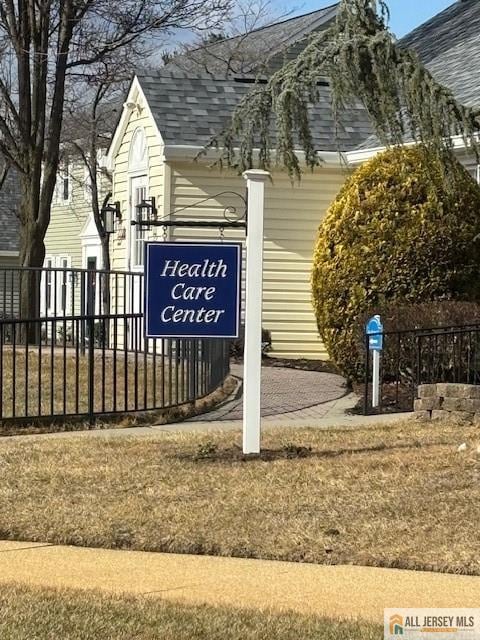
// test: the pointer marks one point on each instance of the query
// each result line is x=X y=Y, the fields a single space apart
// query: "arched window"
x=138 y=158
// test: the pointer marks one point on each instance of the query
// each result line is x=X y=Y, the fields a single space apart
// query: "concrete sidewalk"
x=337 y=419
x=343 y=591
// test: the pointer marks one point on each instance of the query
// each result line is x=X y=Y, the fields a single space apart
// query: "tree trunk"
x=32 y=256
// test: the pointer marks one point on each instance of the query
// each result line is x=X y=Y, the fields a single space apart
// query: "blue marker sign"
x=192 y=290
x=374 y=330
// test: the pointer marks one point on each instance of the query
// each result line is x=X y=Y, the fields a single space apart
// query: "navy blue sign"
x=192 y=290
x=374 y=330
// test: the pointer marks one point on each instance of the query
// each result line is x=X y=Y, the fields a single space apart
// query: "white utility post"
x=376 y=380
x=253 y=311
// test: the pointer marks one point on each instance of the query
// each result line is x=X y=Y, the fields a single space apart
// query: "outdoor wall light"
x=147 y=210
x=110 y=214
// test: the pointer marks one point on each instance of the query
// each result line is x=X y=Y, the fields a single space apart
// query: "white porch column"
x=253 y=311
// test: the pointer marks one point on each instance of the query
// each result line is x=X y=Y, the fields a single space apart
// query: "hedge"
x=396 y=234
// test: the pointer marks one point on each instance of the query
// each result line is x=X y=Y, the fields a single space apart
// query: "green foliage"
x=394 y=235
x=362 y=60
x=206 y=450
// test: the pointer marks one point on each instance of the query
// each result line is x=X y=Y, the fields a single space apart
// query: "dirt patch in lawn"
x=398 y=496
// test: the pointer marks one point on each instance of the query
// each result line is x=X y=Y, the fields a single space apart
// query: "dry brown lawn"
x=56 y=382
x=396 y=496
x=42 y=614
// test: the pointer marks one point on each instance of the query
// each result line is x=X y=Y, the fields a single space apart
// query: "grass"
x=56 y=382
x=395 y=497
x=75 y=615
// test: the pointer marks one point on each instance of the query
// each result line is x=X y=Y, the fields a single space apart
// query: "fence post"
x=419 y=360
x=91 y=368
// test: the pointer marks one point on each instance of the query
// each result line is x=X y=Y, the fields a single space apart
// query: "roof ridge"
x=437 y=17
x=208 y=45
x=163 y=72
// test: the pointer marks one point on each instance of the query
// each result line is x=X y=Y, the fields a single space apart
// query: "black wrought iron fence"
x=69 y=292
x=85 y=355
x=397 y=373
x=449 y=355
x=411 y=358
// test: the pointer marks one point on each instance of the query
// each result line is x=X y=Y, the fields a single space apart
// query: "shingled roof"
x=190 y=110
x=242 y=54
x=449 y=46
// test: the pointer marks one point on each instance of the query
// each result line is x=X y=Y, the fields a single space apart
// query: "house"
x=72 y=239
x=9 y=221
x=168 y=120
x=170 y=115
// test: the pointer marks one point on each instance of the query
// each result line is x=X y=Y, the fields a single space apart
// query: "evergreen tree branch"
x=363 y=62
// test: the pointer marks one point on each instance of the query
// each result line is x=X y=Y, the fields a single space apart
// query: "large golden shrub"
x=397 y=233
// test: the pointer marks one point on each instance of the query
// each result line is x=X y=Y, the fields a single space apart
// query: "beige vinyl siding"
x=292 y=217
x=68 y=218
x=121 y=179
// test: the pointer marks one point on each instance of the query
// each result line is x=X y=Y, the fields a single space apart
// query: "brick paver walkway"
x=301 y=394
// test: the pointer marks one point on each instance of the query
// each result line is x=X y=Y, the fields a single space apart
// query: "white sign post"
x=253 y=311
x=376 y=380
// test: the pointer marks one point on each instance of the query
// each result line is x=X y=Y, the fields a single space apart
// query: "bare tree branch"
x=4 y=173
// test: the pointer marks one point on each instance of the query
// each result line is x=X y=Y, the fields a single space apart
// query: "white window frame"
x=47 y=281
x=55 y=306
x=138 y=235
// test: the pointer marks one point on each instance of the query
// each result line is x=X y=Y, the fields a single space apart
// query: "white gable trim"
x=360 y=156
x=135 y=99
x=89 y=229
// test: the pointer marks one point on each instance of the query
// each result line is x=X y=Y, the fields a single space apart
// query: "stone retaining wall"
x=444 y=401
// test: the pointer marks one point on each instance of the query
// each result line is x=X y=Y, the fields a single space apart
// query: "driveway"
x=285 y=392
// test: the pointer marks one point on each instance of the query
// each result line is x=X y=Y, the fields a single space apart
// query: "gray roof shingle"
x=242 y=54
x=192 y=110
x=449 y=46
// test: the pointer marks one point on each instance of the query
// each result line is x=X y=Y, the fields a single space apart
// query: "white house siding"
x=292 y=217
